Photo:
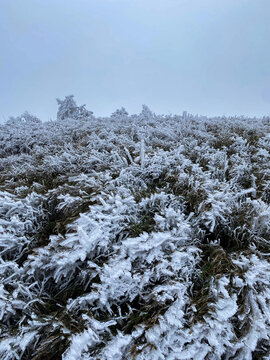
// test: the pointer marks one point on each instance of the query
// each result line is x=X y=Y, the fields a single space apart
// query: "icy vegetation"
x=134 y=237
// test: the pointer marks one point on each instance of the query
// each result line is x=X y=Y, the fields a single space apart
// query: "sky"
x=208 y=57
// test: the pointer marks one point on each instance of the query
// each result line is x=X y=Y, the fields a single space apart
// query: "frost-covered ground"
x=134 y=237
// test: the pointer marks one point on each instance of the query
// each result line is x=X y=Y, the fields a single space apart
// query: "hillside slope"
x=134 y=237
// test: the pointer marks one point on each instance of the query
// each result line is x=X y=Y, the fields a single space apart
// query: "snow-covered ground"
x=139 y=237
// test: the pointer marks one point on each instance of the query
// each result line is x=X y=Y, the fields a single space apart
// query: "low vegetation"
x=134 y=237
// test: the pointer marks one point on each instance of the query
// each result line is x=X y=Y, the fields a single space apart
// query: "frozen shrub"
x=134 y=237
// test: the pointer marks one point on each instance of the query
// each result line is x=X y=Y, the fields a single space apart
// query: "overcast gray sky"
x=204 y=56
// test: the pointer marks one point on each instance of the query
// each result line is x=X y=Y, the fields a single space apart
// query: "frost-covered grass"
x=134 y=237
